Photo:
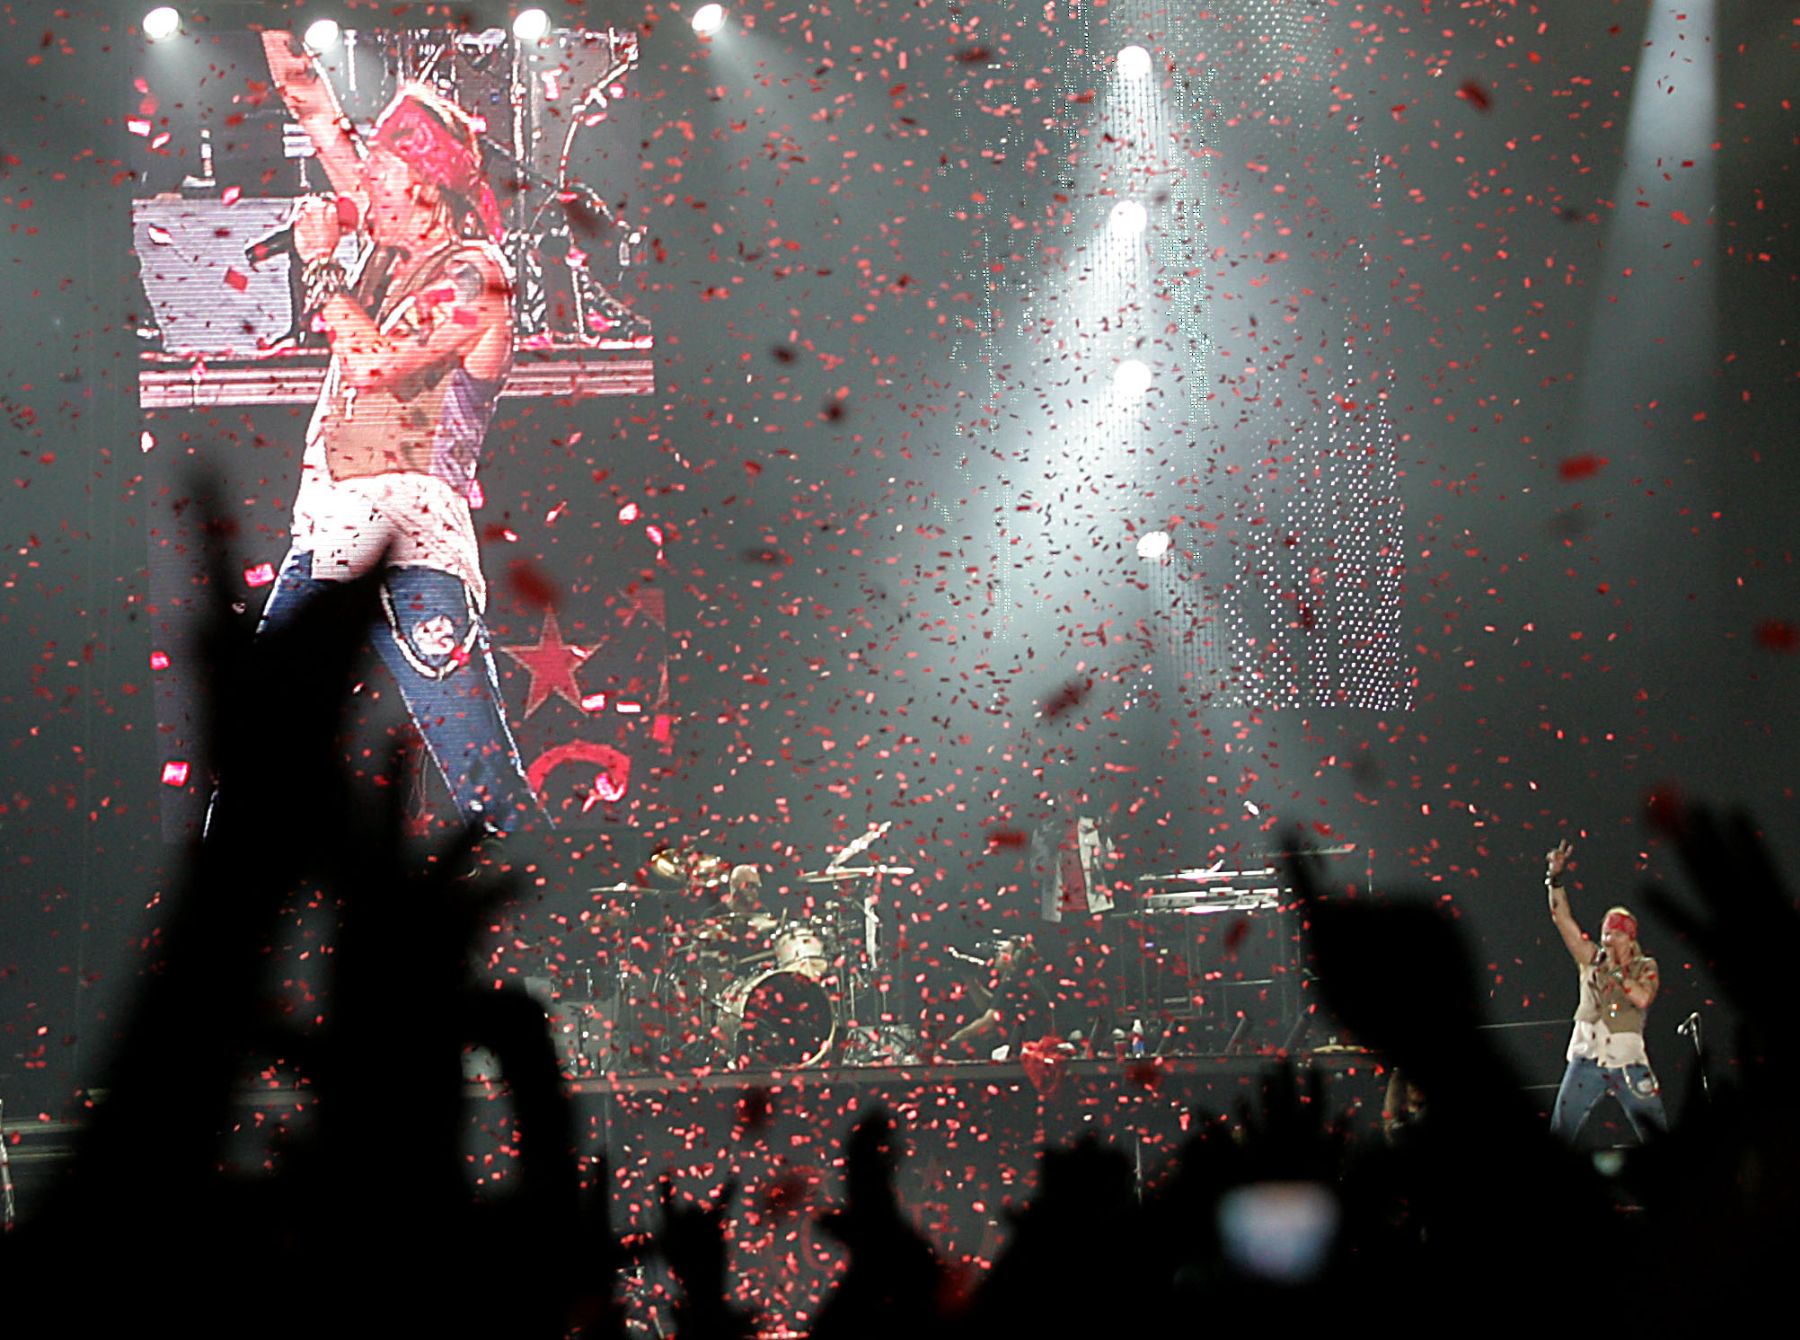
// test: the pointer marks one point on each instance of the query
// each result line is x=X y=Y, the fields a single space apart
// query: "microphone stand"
x=1690 y=1029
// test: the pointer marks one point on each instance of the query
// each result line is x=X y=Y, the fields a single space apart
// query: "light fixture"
x=708 y=19
x=1127 y=218
x=1130 y=379
x=161 y=22
x=321 y=35
x=1153 y=545
x=1133 y=62
x=530 y=25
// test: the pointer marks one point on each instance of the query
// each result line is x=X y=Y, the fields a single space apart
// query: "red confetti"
x=175 y=773
x=1777 y=635
x=1666 y=808
x=1474 y=94
x=529 y=585
x=237 y=281
x=1066 y=699
x=754 y=1107
x=1580 y=467
x=259 y=574
x=1145 y=1073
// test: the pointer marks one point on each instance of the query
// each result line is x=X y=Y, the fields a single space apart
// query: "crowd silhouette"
x=1469 y=1214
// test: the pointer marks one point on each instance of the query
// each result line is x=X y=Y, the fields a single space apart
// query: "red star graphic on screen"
x=551 y=663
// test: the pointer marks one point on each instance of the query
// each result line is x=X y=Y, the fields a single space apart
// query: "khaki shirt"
x=1609 y=1029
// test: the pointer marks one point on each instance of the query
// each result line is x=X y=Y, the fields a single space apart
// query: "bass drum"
x=777 y=1018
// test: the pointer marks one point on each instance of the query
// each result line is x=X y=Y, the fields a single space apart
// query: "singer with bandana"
x=418 y=314
x=1606 y=1052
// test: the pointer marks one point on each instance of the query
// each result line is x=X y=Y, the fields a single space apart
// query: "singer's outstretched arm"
x=1580 y=948
x=310 y=98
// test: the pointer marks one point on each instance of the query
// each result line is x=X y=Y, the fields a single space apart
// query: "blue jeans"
x=1586 y=1082
x=436 y=646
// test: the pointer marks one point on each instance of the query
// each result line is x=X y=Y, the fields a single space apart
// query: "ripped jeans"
x=1586 y=1082
x=435 y=645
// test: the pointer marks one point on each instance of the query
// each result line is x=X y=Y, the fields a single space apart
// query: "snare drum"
x=779 y=1017
x=800 y=948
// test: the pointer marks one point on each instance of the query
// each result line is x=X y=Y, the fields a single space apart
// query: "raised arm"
x=1580 y=948
x=310 y=98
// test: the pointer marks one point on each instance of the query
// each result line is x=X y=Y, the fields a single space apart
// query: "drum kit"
x=709 y=978
x=701 y=974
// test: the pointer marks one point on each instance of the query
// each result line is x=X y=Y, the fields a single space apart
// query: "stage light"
x=530 y=25
x=1127 y=218
x=1133 y=62
x=1154 y=545
x=708 y=19
x=321 y=35
x=1131 y=379
x=161 y=22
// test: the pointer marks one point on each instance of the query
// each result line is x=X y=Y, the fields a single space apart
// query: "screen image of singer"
x=527 y=151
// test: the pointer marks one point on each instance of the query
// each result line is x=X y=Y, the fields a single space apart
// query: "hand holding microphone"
x=320 y=221
x=312 y=231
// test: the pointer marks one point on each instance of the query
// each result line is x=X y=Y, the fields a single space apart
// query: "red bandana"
x=1620 y=921
x=439 y=157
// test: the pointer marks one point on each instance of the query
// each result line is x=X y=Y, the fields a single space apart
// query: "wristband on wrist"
x=320 y=279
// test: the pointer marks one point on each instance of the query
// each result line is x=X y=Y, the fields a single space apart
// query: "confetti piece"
x=1066 y=699
x=529 y=585
x=1580 y=467
x=1777 y=635
x=1474 y=94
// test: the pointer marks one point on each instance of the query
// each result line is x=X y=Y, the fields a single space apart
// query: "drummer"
x=736 y=925
x=743 y=891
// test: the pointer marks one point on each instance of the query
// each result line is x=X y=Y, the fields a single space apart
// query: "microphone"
x=1689 y=1026
x=280 y=242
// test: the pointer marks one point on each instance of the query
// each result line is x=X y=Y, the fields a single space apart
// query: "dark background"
x=1581 y=300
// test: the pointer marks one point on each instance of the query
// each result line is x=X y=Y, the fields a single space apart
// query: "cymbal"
x=844 y=872
x=688 y=865
x=622 y=887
